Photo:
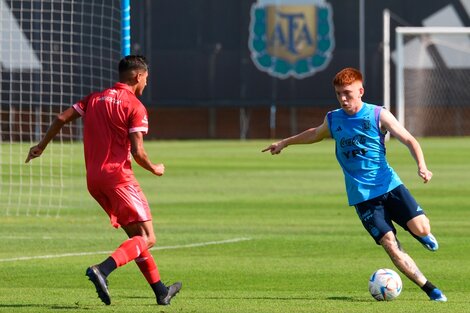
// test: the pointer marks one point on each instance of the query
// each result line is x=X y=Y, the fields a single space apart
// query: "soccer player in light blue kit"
x=372 y=186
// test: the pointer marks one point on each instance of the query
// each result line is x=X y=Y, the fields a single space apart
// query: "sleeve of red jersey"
x=139 y=121
x=81 y=106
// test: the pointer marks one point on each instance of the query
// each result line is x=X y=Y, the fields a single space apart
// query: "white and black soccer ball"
x=385 y=285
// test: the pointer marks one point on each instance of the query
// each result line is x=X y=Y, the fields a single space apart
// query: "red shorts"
x=124 y=205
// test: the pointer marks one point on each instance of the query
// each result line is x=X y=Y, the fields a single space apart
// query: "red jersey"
x=109 y=117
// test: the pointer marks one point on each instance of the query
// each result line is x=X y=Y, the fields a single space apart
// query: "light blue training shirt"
x=360 y=150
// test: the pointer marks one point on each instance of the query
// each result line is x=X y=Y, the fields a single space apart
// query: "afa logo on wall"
x=291 y=37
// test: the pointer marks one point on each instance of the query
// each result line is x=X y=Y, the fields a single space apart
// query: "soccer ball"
x=385 y=285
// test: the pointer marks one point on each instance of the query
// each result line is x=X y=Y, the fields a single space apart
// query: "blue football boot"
x=429 y=242
x=437 y=295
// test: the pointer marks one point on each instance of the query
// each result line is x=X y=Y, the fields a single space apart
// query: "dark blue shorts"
x=397 y=205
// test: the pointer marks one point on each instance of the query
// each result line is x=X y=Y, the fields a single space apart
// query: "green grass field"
x=300 y=249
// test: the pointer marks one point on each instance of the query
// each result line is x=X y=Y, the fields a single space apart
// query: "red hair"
x=347 y=76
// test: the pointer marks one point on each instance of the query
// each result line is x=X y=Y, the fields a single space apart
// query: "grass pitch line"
x=190 y=245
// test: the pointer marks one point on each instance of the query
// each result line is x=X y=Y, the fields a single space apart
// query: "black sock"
x=428 y=287
x=107 y=266
x=159 y=289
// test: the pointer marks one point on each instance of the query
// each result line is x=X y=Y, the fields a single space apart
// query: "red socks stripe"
x=129 y=250
x=148 y=267
x=136 y=249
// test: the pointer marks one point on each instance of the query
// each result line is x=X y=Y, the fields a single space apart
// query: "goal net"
x=52 y=53
x=433 y=79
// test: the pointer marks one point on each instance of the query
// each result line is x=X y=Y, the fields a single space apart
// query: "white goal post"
x=432 y=79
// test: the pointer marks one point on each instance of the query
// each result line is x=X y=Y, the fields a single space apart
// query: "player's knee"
x=386 y=240
x=390 y=243
x=150 y=240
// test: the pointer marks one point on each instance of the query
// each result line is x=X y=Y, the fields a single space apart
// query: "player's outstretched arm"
x=311 y=135
x=390 y=123
x=63 y=118
x=140 y=155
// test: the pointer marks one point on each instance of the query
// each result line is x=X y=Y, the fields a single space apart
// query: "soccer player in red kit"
x=114 y=124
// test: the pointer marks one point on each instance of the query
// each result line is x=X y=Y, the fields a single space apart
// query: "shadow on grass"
x=274 y=298
x=44 y=306
x=229 y=298
x=347 y=299
x=271 y=298
x=137 y=297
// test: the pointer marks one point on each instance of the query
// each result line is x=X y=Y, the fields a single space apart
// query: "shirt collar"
x=119 y=85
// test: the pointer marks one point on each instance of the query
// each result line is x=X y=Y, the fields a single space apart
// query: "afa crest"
x=291 y=37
